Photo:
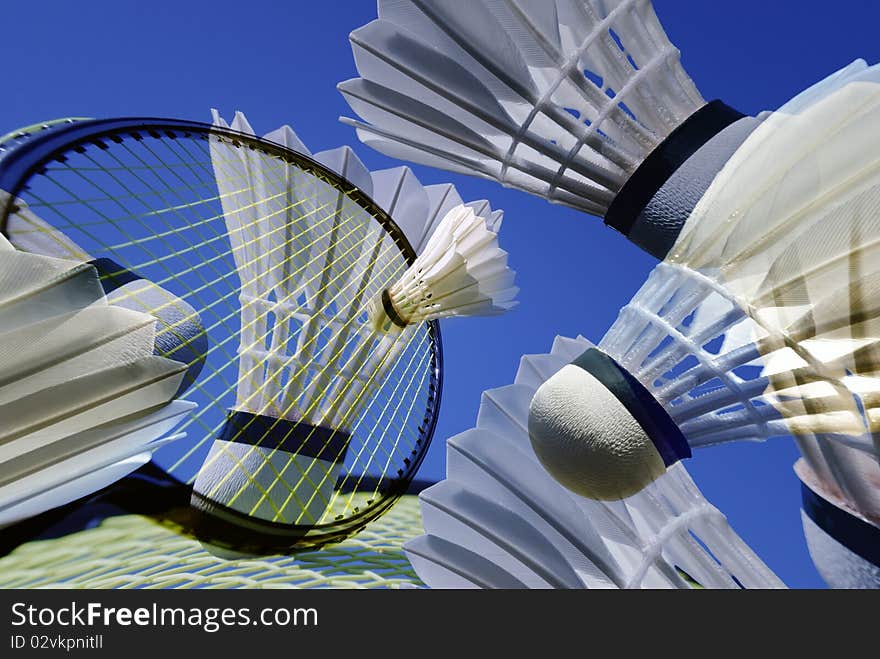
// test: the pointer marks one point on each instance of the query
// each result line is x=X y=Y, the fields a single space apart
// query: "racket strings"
x=247 y=402
x=176 y=229
x=319 y=486
x=164 y=244
x=341 y=393
x=305 y=475
x=171 y=277
x=281 y=478
x=343 y=422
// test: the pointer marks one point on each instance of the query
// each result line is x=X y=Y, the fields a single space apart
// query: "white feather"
x=80 y=389
x=461 y=272
x=763 y=320
x=323 y=378
x=563 y=98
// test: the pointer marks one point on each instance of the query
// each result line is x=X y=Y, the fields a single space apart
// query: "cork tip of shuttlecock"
x=587 y=439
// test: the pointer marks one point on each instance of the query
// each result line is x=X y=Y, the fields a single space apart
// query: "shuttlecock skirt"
x=267 y=480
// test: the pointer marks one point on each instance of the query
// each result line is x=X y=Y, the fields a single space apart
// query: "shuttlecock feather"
x=500 y=520
x=462 y=272
x=83 y=400
x=581 y=102
x=180 y=334
x=297 y=405
x=761 y=322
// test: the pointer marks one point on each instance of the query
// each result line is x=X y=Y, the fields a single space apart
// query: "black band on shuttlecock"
x=294 y=437
x=220 y=526
x=857 y=535
x=646 y=410
x=390 y=311
x=664 y=160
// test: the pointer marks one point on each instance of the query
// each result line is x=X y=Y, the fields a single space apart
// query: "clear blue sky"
x=280 y=62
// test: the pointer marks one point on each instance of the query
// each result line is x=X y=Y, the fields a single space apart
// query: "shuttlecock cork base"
x=384 y=315
x=762 y=320
x=501 y=520
x=654 y=203
x=613 y=437
x=244 y=489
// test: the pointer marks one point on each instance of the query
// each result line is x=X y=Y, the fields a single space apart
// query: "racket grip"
x=180 y=334
x=265 y=476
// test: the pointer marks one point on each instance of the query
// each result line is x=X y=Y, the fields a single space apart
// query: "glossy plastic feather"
x=583 y=102
x=279 y=456
x=500 y=520
x=761 y=322
x=563 y=99
x=83 y=400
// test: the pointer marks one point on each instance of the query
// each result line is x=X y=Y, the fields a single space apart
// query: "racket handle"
x=266 y=475
x=180 y=334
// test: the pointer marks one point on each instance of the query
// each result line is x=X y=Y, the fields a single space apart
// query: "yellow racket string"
x=340 y=395
x=352 y=411
x=171 y=277
x=257 y=220
x=332 y=345
x=285 y=412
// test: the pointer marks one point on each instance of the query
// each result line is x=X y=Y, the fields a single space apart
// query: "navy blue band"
x=857 y=535
x=296 y=437
x=664 y=160
x=112 y=274
x=390 y=311
x=650 y=415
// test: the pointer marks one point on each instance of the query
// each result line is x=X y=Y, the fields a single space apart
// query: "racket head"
x=143 y=192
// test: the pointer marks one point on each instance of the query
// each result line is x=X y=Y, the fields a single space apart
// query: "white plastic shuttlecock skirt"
x=83 y=399
x=562 y=98
x=500 y=520
x=764 y=319
x=803 y=256
x=264 y=213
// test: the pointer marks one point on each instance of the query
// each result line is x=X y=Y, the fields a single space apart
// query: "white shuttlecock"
x=180 y=334
x=843 y=543
x=83 y=400
x=583 y=102
x=321 y=398
x=462 y=272
x=763 y=321
x=500 y=520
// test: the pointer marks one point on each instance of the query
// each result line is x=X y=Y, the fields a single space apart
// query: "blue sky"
x=280 y=62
